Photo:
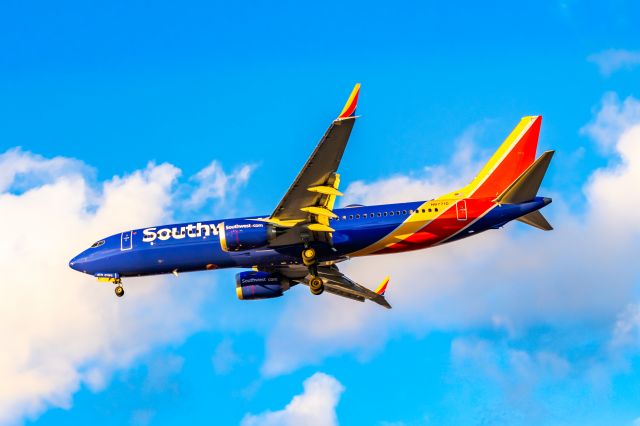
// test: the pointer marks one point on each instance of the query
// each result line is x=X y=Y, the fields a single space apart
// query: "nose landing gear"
x=119 y=291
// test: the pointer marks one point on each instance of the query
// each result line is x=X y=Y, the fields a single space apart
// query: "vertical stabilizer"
x=514 y=156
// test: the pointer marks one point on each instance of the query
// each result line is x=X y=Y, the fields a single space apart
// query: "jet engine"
x=238 y=235
x=251 y=285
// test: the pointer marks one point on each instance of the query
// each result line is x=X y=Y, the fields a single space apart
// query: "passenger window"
x=404 y=212
x=423 y=210
x=364 y=215
x=429 y=210
x=398 y=212
x=436 y=209
x=379 y=214
x=350 y=216
x=344 y=218
x=390 y=213
x=385 y=213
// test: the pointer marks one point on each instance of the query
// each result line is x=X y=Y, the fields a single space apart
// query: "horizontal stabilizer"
x=525 y=188
x=537 y=220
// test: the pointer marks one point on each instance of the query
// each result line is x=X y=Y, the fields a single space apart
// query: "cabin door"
x=461 y=210
x=125 y=241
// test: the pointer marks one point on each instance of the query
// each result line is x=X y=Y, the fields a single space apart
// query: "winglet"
x=382 y=287
x=349 y=109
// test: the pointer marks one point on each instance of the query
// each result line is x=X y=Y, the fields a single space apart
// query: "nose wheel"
x=119 y=290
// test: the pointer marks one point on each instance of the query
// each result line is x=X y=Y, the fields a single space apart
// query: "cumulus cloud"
x=20 y=170
x=613 y=118
x=612 y=60
x=582 y=274
x=213 y=183
x=315 y=406
x=61 y=329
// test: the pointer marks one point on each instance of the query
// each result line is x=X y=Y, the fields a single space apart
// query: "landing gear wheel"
x=119 y=291
x=316 y=286
x=317 y=292
x=309 y=256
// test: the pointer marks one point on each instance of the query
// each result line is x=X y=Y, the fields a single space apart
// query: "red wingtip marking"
x=383 y=287
x=349 y=109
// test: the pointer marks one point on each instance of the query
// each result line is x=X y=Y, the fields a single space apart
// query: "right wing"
x=335 y=282
x=339 y=284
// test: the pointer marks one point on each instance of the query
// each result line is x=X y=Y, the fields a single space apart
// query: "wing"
x=308 y=204
x=335 y=282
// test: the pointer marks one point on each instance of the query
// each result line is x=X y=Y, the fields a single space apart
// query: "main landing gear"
x=316 y=285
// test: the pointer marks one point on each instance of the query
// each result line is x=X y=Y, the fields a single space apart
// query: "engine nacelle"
x=238 y=235
x=251 y=285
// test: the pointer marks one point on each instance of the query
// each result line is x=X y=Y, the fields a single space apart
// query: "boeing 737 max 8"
x=305 y=238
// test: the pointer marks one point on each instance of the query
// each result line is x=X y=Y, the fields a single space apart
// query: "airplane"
x=305 y=237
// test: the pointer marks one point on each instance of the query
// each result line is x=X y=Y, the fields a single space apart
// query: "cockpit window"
x=97 y=244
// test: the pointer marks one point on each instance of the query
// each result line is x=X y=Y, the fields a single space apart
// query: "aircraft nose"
x=77 y=262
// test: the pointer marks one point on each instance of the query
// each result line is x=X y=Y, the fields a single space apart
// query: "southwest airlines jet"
x=305 y=237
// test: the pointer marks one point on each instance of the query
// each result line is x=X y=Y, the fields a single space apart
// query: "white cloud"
x=612 y=60
x=61 y=329
x=612 y=119
x=214 y=184
x=315 y=406
x=626 y=330
x=581 y=273
x=20 y=170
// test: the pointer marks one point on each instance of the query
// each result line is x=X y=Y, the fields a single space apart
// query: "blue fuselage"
x=196 y=245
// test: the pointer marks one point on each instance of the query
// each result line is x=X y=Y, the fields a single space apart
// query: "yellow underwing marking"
x=326 y=190
x=318 y=227
x=320 y=211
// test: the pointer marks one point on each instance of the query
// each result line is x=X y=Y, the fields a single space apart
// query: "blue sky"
x=116 y=86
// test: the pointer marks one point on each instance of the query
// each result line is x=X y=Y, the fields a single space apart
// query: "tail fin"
x=510 y=161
